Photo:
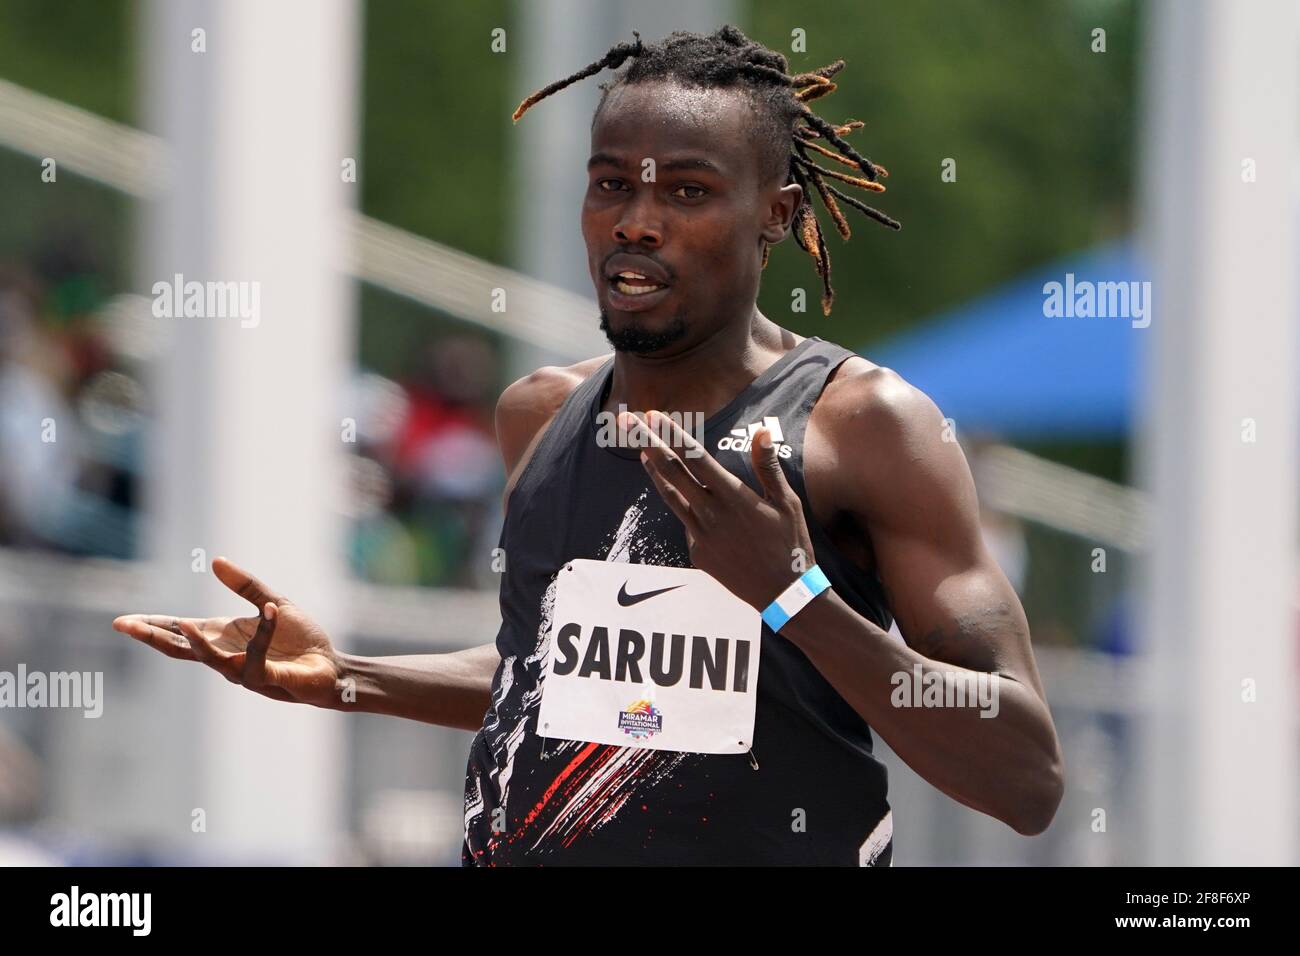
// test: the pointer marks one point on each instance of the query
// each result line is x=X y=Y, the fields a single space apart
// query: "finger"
x=168 y=622
x=244 y=584
x=767 y=466
x=169 y=642
x=673 y=498
x=704 y=466
x=702 y=463
x=254 y=674
x=205 y=652
x=671 y=468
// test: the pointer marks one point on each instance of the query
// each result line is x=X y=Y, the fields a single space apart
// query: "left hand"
x=755 y=547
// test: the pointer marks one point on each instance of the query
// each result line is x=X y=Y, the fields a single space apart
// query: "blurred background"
x=416 y=253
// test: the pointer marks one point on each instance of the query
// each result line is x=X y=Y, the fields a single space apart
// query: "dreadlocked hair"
x=790 y=131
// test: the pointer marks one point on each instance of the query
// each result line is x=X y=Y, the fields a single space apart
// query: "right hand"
x=279 y=652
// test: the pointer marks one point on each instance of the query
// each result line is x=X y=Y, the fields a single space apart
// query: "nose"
x=636 y=227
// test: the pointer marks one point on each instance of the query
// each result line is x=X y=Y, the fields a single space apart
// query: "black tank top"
x=809 y=792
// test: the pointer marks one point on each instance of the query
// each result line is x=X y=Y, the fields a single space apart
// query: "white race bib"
x=649 y=656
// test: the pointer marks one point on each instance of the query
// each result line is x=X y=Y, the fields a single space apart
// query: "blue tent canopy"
x=1001 y=364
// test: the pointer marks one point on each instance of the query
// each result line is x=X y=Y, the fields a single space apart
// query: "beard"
x=640 y=342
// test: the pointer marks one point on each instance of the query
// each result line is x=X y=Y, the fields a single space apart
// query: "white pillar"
x=247 y=459
x=1219 y=768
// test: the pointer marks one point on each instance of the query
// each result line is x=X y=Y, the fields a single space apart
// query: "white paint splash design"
x=605 y=790
x=875 y=844
x=604 y=793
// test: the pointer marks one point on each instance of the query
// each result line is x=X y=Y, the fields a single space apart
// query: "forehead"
x=665 y=119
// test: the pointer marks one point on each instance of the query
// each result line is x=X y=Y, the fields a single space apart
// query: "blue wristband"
x=794 y=598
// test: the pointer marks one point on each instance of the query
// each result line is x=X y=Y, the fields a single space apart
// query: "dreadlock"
x=790 y=131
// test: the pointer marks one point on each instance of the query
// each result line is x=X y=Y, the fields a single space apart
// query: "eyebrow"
x=691 y=162
x=672 y=165
x=605 y=159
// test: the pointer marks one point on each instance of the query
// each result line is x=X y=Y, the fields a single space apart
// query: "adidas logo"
x=742 y=439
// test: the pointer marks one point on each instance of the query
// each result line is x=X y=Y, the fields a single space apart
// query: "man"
x=818 y=490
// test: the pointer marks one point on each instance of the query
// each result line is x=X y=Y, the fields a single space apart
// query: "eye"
x=609 y=185
x=691 y=191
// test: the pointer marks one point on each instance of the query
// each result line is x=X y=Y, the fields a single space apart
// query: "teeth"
x=628 y=288
x=630 y=282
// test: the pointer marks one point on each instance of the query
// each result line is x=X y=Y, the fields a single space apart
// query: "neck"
x=705 y=376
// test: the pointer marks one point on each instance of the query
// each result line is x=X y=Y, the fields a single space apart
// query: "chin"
x=640 y=334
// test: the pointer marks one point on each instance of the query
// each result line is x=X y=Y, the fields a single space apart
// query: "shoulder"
x=529 y=403
x=891 y=442
x=863 y=398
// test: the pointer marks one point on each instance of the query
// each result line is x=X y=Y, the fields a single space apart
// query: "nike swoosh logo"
x=627 y=600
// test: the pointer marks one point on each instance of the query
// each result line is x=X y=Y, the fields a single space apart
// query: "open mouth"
x=634 y=283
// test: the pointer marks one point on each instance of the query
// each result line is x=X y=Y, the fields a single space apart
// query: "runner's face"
x=690 y=224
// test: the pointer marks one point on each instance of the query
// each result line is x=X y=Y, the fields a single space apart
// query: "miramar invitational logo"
x=641 y=720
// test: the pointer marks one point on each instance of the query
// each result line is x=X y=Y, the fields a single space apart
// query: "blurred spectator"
x=70 y=410
x=1116 y=634
x=35 y=474
x=73 y=416
x=428 y=475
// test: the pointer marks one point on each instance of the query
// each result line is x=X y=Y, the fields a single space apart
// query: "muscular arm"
x=455 y=689
x=913 y=492
x=452 y=690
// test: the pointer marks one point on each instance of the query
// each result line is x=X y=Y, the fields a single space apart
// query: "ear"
x=780 y=212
